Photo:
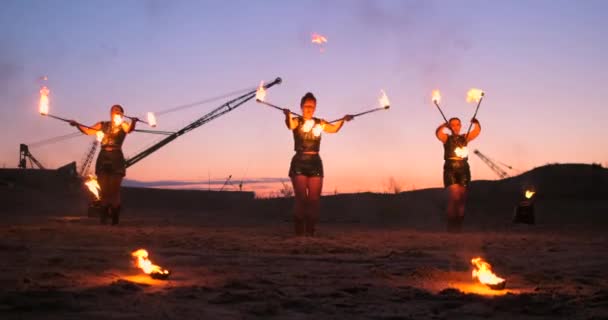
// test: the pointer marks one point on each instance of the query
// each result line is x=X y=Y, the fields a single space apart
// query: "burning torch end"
x=387 y=107
x=498 y=286
x=160 y=275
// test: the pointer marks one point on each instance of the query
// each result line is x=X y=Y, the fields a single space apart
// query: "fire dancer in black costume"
x=110 y=166
x=456 y=172
x=306 y=170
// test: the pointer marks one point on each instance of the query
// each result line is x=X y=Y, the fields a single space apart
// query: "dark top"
x=306 y=137
x=453 y=142
x=113 y=137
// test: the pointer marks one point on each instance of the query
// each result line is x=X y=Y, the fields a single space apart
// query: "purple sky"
x=542 y=64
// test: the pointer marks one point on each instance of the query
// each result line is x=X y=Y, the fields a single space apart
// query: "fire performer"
x=456 y=172
x=306 y=170
x=110 y=166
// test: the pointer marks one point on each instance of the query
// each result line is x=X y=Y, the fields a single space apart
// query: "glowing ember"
x=99 y=135
x=530 y=194
x=308 y=125
x=384 y=102
x=317 y=130
x=117 y=119
x=474 y=95
x=43 y=105
x=462 y=152
x=142 y=262
x=318 y=39
x=436 y=96
x=260 y=94
x=151 y=119
x=482 y=271
x=93 y=186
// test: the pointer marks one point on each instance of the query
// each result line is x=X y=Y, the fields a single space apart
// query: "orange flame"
x=99 y=135
x=436 y=96
x=260 y=94
x=117 y=119
x=530 y=193
x=43 y=105
x=151 y=119
x=93 y=186
x=482 y=271
x=145 y=264
x=474 y=95
x=308 y=125
x=384 y=102
x=318 y=39
x=462 y=152
x=318 y=129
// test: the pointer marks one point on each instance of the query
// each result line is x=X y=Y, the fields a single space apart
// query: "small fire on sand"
x=142 y=262
x=482 y=271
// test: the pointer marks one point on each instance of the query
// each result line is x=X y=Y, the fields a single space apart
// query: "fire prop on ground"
x=142 y=262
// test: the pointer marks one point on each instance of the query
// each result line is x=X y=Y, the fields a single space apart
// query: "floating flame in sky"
x=93 y=186
x=142 y=262
x=530 y=193
x=383 y=100
x=319 y=40
x=462 y=152
x=436 y=96
x=151 y=119
x=43 y=105
x=260 y=93
x=482 y=271
x=474 y=95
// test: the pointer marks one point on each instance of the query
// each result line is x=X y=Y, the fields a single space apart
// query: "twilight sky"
x=542 y=64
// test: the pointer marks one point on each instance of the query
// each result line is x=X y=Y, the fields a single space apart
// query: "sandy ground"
x=57 y=267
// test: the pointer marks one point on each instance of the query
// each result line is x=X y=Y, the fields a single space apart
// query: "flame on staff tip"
x=152 y=119
x=474 y=95
x=462 y=152
x=43 y=105
x=436 y=96
x=93 y=186
x=384 y=102
x=99 y=135
x=482 y=271
x=260 y=93
x=530 y=193
x=117 y=119
x=142 y=262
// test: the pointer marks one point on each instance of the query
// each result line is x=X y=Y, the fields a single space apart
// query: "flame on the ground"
x=99 y=135
x=384 y=102
x=142 y=262
x=43 y=105
x=530 y=193
x=462 y=152
x=482 y=271
x=117 y=119
x=260 y=93
x=93 y=186
x=474 y=95
x=151 y=119
x=436 y=96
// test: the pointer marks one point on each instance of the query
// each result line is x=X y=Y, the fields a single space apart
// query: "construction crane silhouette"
x=88 y=158
x=497 y=169
x=24 y=155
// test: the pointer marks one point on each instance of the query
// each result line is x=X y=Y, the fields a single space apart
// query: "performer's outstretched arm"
x=440 y=133
x=290 y=121
x=336 y=126
x=84 y=129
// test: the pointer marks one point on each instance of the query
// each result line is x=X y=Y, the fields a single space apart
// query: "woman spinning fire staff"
x=306 y=170
x=110 y=166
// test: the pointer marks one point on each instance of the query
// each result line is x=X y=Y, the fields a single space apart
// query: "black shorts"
x=110 y=162
x=309 y=165
x=456 y=172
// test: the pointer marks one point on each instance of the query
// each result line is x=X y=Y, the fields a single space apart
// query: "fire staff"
x=456 y=172
x=306 y=169
x=110 y=167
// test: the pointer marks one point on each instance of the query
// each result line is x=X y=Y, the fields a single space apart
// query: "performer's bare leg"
x=315 y=185
x=300 y=184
